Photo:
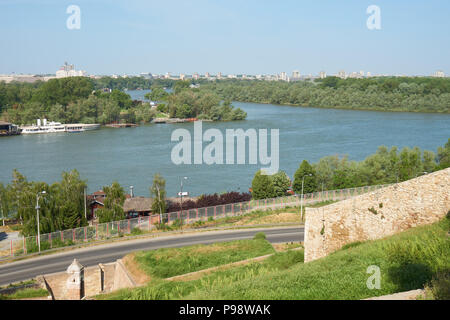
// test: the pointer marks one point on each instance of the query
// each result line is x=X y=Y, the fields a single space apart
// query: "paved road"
x=27 y=269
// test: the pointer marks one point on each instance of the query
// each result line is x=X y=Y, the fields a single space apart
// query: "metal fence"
x=105 y=231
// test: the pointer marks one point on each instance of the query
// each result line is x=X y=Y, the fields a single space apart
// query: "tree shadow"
x=410 y=276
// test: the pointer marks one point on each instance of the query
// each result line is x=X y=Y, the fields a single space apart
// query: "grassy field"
x=165 y=263
x=159 y=289
x=407 y=261
x=25 y=294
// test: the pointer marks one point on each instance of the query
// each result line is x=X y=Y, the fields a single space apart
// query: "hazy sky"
x=245 y=36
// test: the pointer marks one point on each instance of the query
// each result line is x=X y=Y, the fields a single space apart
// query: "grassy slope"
x=165 y=263
x=26 y=293
x=168 y=290
x=407 y=261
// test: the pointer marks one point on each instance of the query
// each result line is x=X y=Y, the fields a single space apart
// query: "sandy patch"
x=284 y=217
x=139 y=276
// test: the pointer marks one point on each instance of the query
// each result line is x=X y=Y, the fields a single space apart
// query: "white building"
x=322 y=74
x=69 y=71
x=439 y=74
x=341 y=74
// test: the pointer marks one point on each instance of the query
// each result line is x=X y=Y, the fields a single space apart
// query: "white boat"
x=55 y=127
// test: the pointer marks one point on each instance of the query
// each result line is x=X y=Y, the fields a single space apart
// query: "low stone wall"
x=122 y=278
x=377 y=214
x=103 y=278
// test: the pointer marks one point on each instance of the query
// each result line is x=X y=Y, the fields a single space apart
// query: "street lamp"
x=37 y=215
x=181 y=195
x=301 y=199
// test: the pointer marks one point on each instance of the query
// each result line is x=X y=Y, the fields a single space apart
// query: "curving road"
x=27 y=269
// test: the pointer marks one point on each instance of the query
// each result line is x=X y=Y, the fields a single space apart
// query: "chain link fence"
x=114 y=229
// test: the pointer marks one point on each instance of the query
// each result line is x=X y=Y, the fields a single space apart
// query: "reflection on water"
x=133 y=155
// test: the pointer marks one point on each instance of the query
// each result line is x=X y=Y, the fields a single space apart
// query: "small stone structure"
x=75 y=281
x=79 y=282
x=377 y=214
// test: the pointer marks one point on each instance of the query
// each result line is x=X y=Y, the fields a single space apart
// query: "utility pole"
x=37 y=215
x=181 y=194
x=301 y=199
x=85 y=208
x=1 y=207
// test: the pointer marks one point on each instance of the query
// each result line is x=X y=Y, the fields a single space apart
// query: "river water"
x=132 y=156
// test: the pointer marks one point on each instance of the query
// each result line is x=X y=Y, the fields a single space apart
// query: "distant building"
x=322 y=75
x=283 y=76
x=341 y=74
x=196 y=76
x=69 y=71
x=439 y=74
x=146 y=75
x=296 y=75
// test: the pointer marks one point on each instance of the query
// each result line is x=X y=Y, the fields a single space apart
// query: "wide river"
x=132 y=156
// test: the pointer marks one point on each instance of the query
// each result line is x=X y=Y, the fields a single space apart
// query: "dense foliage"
x=113 y=209
x=61 y=207
x=270 y=186
x=209 y=200
x=334 y=172
x=158 y=193
x=84 y=100
x=384 y=93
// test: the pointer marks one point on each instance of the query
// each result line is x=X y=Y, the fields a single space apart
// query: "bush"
x=439 y=286
x=260 y=236
x=177 y=224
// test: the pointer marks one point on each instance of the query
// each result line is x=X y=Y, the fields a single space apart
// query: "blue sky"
x=245 y=36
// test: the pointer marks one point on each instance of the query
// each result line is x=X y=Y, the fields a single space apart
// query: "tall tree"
x=113 y=209
x=307 y=172
x=262 y=187
x=158 y=192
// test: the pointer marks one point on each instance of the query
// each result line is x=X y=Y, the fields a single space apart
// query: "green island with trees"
x=85 y=100
x=405 y=94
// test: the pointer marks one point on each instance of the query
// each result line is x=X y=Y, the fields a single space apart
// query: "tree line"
x=84 y=100
x=333 y=172
x=185 y=103
x=419 y=94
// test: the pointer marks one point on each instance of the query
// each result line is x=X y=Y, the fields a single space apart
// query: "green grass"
x=409 y=260
x=169 y=290
x=165 y=263
x=26 y=293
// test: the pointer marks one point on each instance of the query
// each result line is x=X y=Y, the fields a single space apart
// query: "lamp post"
x=301 y=199
x=1 y=208
x=37 y=215
x=181 y=195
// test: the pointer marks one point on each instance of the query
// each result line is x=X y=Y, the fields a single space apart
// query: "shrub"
x=439 y=286
x=260 y=236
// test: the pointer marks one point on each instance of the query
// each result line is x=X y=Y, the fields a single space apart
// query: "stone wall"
x=122 y=278
x=103 y=278
x=377 y=214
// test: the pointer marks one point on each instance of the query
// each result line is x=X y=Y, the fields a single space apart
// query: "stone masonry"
x=377 y=214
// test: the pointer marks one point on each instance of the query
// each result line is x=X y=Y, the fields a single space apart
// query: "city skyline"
x=229 y=37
